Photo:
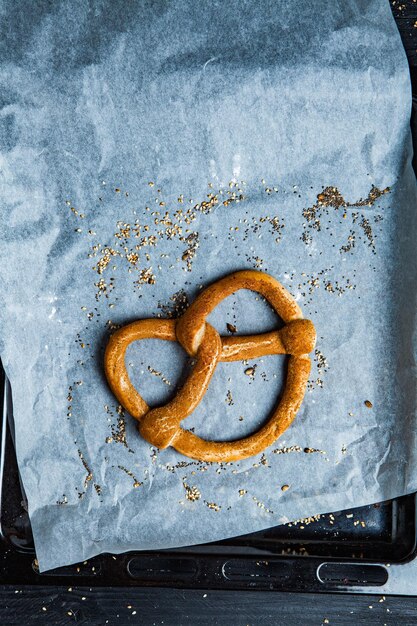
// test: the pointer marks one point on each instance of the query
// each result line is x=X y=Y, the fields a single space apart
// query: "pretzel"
x=161 y=426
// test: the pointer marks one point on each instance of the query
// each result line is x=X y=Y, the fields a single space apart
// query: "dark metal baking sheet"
x=344 y=550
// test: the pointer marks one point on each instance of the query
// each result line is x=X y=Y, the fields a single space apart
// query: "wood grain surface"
x=170 y=607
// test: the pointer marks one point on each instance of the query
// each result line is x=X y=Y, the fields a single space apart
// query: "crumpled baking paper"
x=149 y=149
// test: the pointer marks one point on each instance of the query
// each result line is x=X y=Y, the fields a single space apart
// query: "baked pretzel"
x=161 y=426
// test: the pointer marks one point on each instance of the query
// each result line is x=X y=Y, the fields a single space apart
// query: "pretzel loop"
x=161 y=426
x=190 y=327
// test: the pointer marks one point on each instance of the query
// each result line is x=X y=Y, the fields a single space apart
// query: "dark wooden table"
x=405 y=13
x=170 y=607
x=198 y=608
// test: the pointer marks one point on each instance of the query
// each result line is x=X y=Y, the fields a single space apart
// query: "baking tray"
x=344 y=551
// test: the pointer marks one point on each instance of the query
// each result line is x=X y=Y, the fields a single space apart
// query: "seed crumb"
x=213 y=506
x=191 y=493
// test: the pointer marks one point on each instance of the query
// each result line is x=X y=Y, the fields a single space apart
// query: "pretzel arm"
x=297 y=337
x=161 y=425
x=193 y=446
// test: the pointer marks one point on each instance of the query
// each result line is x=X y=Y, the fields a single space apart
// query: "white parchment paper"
x=148 y=149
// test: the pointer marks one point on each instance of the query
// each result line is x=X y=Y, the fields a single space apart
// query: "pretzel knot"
x=161 y=426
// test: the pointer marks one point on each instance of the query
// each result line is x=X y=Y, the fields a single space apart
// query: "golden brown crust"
x=114 y=360
x=190 y=327
x=193 y=446
x=297 y=337
x=161 y=426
